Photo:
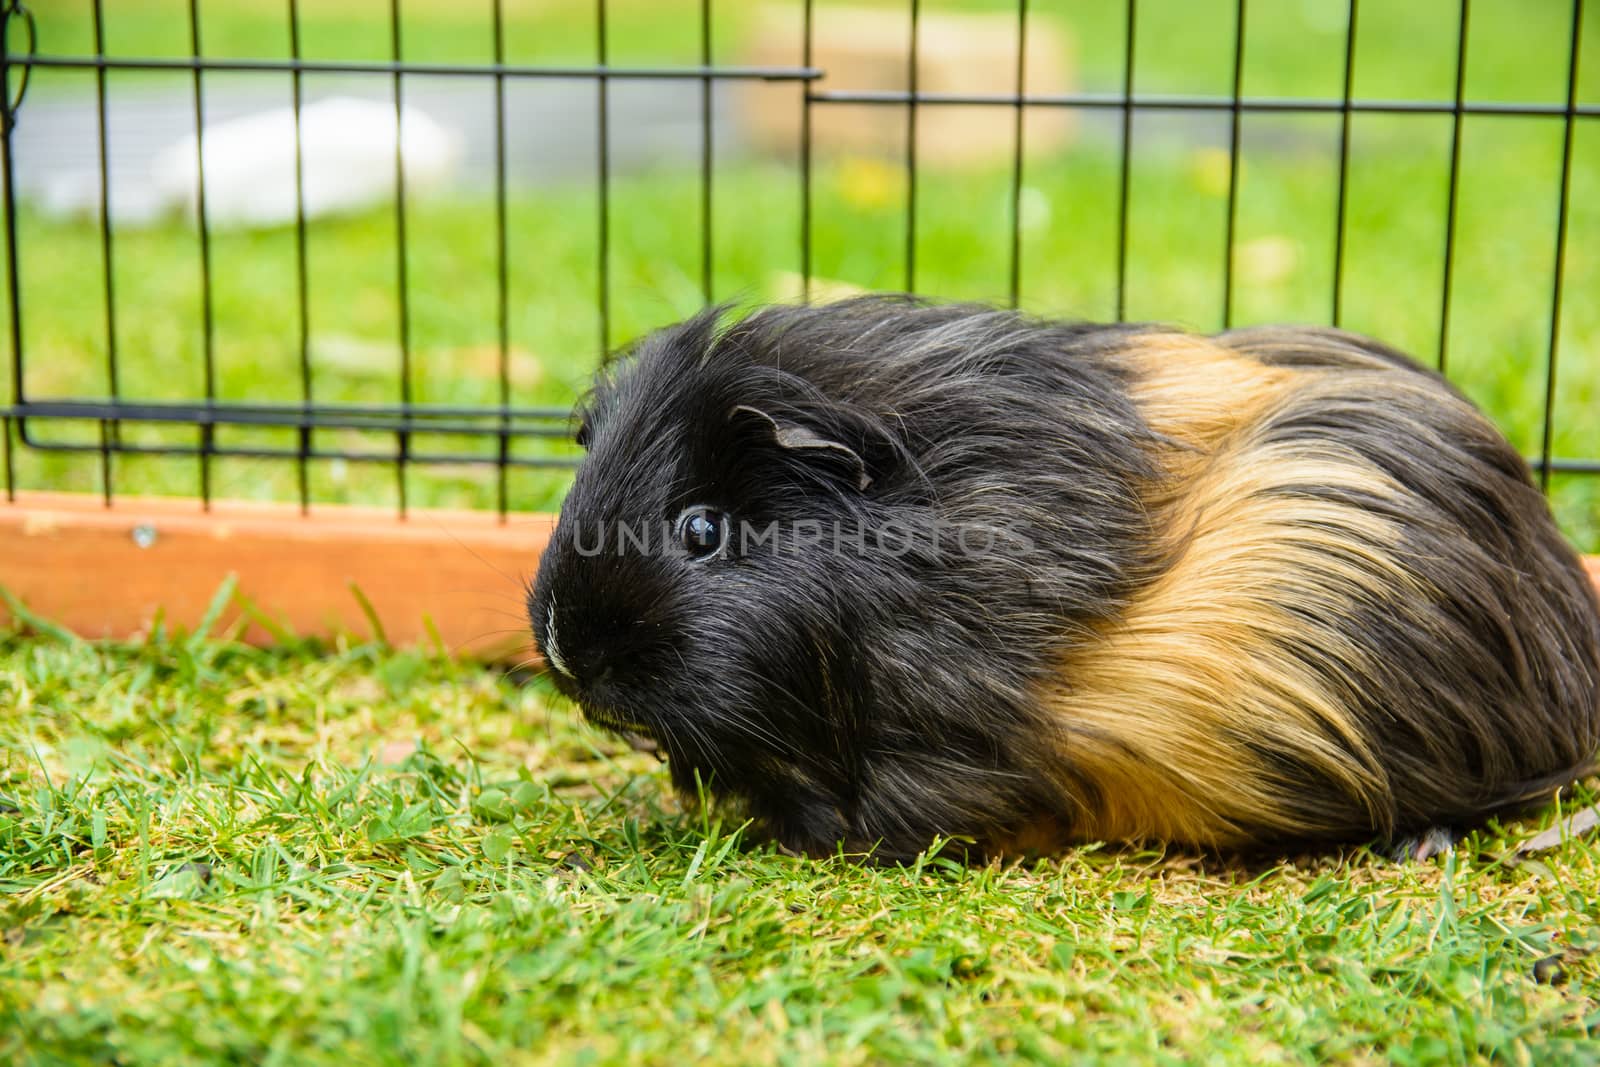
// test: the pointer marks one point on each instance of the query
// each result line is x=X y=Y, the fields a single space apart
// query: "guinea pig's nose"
x=574 y=650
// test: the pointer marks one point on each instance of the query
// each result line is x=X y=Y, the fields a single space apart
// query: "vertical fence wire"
x=1558 y=281
x=302 y=294
x=502 y=268
x=706 y=150
x=1453 y=191
x=807 y=17
x=911 y=148
x=402 y=289
x=113 y=384
x=1343 y=190
x=8 y=116
x=1018 y=114
x=8 y=187
x=603 y=175
x=1130 y=23
x=1234 y=131
x=203 y=229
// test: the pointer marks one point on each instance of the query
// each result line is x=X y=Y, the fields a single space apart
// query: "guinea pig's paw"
x=1436 y=841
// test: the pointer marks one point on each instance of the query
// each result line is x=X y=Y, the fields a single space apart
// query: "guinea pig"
x=888 y=571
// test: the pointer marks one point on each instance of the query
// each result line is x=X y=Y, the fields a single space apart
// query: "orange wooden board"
x=105 y=572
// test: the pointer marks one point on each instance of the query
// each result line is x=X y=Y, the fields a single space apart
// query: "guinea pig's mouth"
x=637 y=734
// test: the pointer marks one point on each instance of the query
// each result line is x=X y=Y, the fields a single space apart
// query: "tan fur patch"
x=1155 y=716
x=1197 y=392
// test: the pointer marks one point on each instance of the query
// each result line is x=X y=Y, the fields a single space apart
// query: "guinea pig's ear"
x=792 y=436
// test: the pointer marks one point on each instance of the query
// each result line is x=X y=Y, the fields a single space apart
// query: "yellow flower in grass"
x=869 y=183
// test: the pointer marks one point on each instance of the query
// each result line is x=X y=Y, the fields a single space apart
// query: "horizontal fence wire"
x=489 y=434
x=395 y=66
x=1170 y=102
x=404 y=417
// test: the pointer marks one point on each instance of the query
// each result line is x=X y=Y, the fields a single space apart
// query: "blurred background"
x=1084 y=224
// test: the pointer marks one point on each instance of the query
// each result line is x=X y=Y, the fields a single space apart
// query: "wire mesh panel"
x=1427 y=172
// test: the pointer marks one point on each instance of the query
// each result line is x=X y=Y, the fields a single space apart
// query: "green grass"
x=350 y=855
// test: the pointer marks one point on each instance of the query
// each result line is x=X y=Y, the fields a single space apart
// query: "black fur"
x=878 y=699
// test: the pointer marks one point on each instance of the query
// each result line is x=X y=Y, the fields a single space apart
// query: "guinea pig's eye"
x=582 y=436
x=702 y=531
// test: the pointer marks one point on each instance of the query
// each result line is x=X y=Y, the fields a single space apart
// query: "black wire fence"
x=504 y=436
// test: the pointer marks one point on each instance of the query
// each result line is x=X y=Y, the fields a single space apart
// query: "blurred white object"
x=348 y=154
x=76 y=194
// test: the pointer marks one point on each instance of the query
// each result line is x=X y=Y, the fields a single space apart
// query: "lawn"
x=352 y=855
x=345 y=853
